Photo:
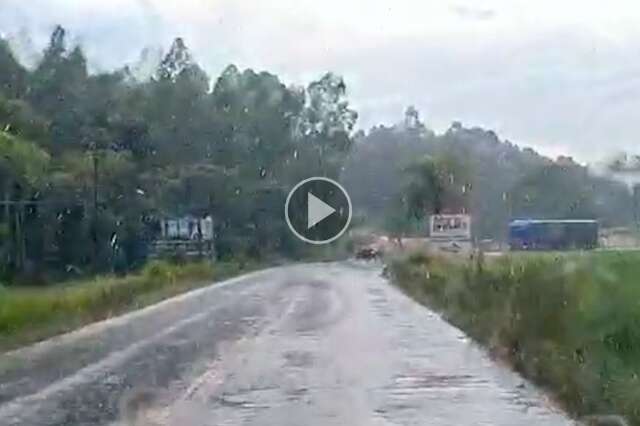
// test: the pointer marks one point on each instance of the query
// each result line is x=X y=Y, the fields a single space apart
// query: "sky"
x=560 y=76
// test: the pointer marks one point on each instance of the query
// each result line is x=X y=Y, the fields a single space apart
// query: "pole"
x=7 y=220
x=18 y=239
x=94 y=233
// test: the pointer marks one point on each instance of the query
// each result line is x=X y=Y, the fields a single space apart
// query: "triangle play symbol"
x=317 y=210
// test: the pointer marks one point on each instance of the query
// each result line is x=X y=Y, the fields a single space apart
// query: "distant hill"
x=506 y=180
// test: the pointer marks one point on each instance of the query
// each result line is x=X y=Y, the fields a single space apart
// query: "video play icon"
x=318 y=210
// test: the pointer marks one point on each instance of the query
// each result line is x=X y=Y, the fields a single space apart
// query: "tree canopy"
x=174 y=143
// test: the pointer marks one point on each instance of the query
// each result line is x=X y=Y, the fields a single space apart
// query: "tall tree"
x=175 y=108
x=23 y=169
x=57 y=86
x=424 y=191
x=175 y=62
x=327 y=124
x=13 y=78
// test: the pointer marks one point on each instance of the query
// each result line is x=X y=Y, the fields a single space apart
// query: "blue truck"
x=553 y=234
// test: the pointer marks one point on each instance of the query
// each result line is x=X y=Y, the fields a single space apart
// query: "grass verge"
x=31 y=314
x=568 y=322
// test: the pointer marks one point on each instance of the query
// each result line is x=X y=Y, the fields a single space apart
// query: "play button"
x=318 y=210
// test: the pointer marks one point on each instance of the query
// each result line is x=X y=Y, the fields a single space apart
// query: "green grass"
x=569 y=322
x=31 y=314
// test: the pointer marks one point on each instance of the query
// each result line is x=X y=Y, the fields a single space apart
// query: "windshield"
x=319 y=212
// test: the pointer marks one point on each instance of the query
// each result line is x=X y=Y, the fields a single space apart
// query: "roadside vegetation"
x=29 y=314
x=568 y=322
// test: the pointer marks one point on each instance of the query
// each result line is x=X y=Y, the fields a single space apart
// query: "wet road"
x=319 y=344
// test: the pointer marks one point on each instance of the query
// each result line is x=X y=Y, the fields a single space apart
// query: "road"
x=315 y=344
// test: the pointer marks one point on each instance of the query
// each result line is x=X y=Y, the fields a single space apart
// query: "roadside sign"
x=450 y=226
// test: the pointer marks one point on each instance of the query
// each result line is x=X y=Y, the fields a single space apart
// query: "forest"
x=94 y=160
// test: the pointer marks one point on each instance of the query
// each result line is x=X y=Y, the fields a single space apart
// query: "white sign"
x=452 y=226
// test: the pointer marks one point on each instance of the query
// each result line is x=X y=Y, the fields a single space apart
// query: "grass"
x=569 y=322
x=31 y=314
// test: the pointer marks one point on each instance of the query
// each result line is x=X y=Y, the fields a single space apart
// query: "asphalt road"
x=318 y=344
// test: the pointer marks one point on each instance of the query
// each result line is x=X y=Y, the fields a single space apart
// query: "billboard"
x=450 y=226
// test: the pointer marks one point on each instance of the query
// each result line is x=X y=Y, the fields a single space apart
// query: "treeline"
x=394 y=169
x=89 y=161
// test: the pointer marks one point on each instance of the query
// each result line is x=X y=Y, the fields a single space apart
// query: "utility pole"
x=94 y=233
x=7 y=220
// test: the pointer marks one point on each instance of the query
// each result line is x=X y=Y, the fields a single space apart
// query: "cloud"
x=560 y=76
x=470 y=12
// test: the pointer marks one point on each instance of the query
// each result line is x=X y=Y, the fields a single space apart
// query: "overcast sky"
x=562 y=76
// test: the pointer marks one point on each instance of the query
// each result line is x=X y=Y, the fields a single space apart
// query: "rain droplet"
x=295 y=153
x=263 y=172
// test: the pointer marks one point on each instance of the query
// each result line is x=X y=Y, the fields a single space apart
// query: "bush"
x=159 y=272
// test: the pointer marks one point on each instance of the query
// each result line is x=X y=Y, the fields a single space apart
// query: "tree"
x=17 y=117
x=57 y=87
x=177 y=61
x=174 y=106
x=424 y=190
x=257 y=116
x=326 y=124
x=125 y=151
x=23 y=168
x=327 y=111
x=555 y=192
x=13 y=78
x=412 y=119
x=625 y=168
